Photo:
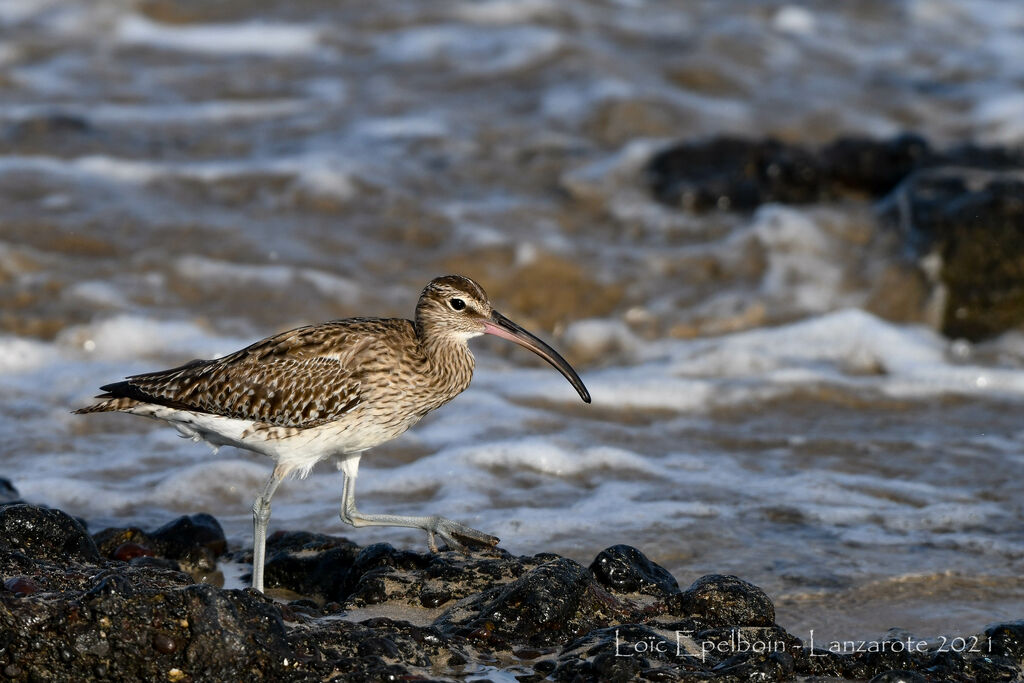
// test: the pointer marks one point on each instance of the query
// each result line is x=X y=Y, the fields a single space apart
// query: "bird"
x=332 y=391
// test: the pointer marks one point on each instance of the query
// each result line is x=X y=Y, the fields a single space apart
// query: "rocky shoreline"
x=954 y=217
x=125 y=604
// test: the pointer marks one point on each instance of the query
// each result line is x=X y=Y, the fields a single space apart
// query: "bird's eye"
x=457 y=304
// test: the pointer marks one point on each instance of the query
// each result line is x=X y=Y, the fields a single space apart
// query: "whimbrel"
x=333 y=391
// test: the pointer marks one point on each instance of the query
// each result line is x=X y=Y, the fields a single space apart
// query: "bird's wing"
x=301 y=378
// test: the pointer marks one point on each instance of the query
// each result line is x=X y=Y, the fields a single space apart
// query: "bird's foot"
x=457 y=536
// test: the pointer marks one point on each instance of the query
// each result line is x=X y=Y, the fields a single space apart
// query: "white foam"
x=505 y=12
x=794 y=19
x=253 y=38
x=99 y=293
x=23 y=355
x=595 y=338
x=477 y=50
x=802 y=263
x=1001 y=117
x=571 y=102
x=601 y=508
x=211 y=481
x=80 y=496
x=197 y=113
x=327 y=180
x=341 y=289
x=13 y=12
x=606 y=176
x=203 y=269
x=850 y=348
x=124 y=337
x=316 y=173
x=546 y=457
x=398 y=127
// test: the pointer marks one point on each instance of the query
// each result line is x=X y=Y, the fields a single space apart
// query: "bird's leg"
x=260 y=519
x=454 y=534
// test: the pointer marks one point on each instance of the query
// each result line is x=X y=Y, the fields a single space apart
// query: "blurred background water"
x=178 y=179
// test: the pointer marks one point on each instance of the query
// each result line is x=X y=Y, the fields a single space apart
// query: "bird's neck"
x=448 y=360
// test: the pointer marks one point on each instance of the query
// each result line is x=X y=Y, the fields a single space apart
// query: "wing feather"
x=300 y=378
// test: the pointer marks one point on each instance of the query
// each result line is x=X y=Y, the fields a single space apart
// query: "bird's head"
x=456 y=307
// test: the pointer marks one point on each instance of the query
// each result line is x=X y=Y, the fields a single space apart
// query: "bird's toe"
x=459 y=536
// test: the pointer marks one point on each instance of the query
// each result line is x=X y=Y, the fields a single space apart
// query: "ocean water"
x=178 y=180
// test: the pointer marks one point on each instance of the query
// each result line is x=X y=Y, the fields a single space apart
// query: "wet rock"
x=857 y=166
x=55 y=125
x=899 y=677
x=335 y=570
x=739 y=174
x=45 y=534
x=107 y=584
x=719 y=600
x=80 y=616
x=377 y=566
x=310 y=564
x=126 y=552
x=109 y=541
x=867 y=664
x=375 y=649
x=959 y=212
x=199 y=630
x=971 y=225
x=1006 y=640
x=554 y=602
x=8 y=493
x=21 y=585
x=730 y=642
x=774 y=666
x=821 y=663
x=193 y=542
x=734 y=174
x=964 y=665
x=624 y=569
x=628 y=652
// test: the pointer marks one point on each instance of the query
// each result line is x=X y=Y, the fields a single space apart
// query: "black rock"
x=740 y=174
x=192 y=542
x=45 y=534
x=310 y=564
x=8 y=493
x=1005 y=640
x=733 y=173
x=375 y=567
x=818 y=662
x=180 y=537
x=48 y=126
x=545 y=606
x=974 y=223
x=775 y=666
x=641 y=652
x=719 y=600
x=112 y=634
x=872 y=168
x=869 y=664
x=900 y=676
x=107 y=584
x=376 y=649
x=624 y=569
x=66 y=613
x=381 y=573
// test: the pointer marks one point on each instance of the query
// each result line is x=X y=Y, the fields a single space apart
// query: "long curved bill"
x=500 y=326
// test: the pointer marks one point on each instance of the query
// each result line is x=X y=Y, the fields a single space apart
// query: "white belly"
x=295 y=450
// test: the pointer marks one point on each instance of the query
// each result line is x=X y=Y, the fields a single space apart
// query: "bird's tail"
x=111 y=404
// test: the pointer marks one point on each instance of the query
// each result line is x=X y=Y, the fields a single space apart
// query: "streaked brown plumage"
x=332 y=391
